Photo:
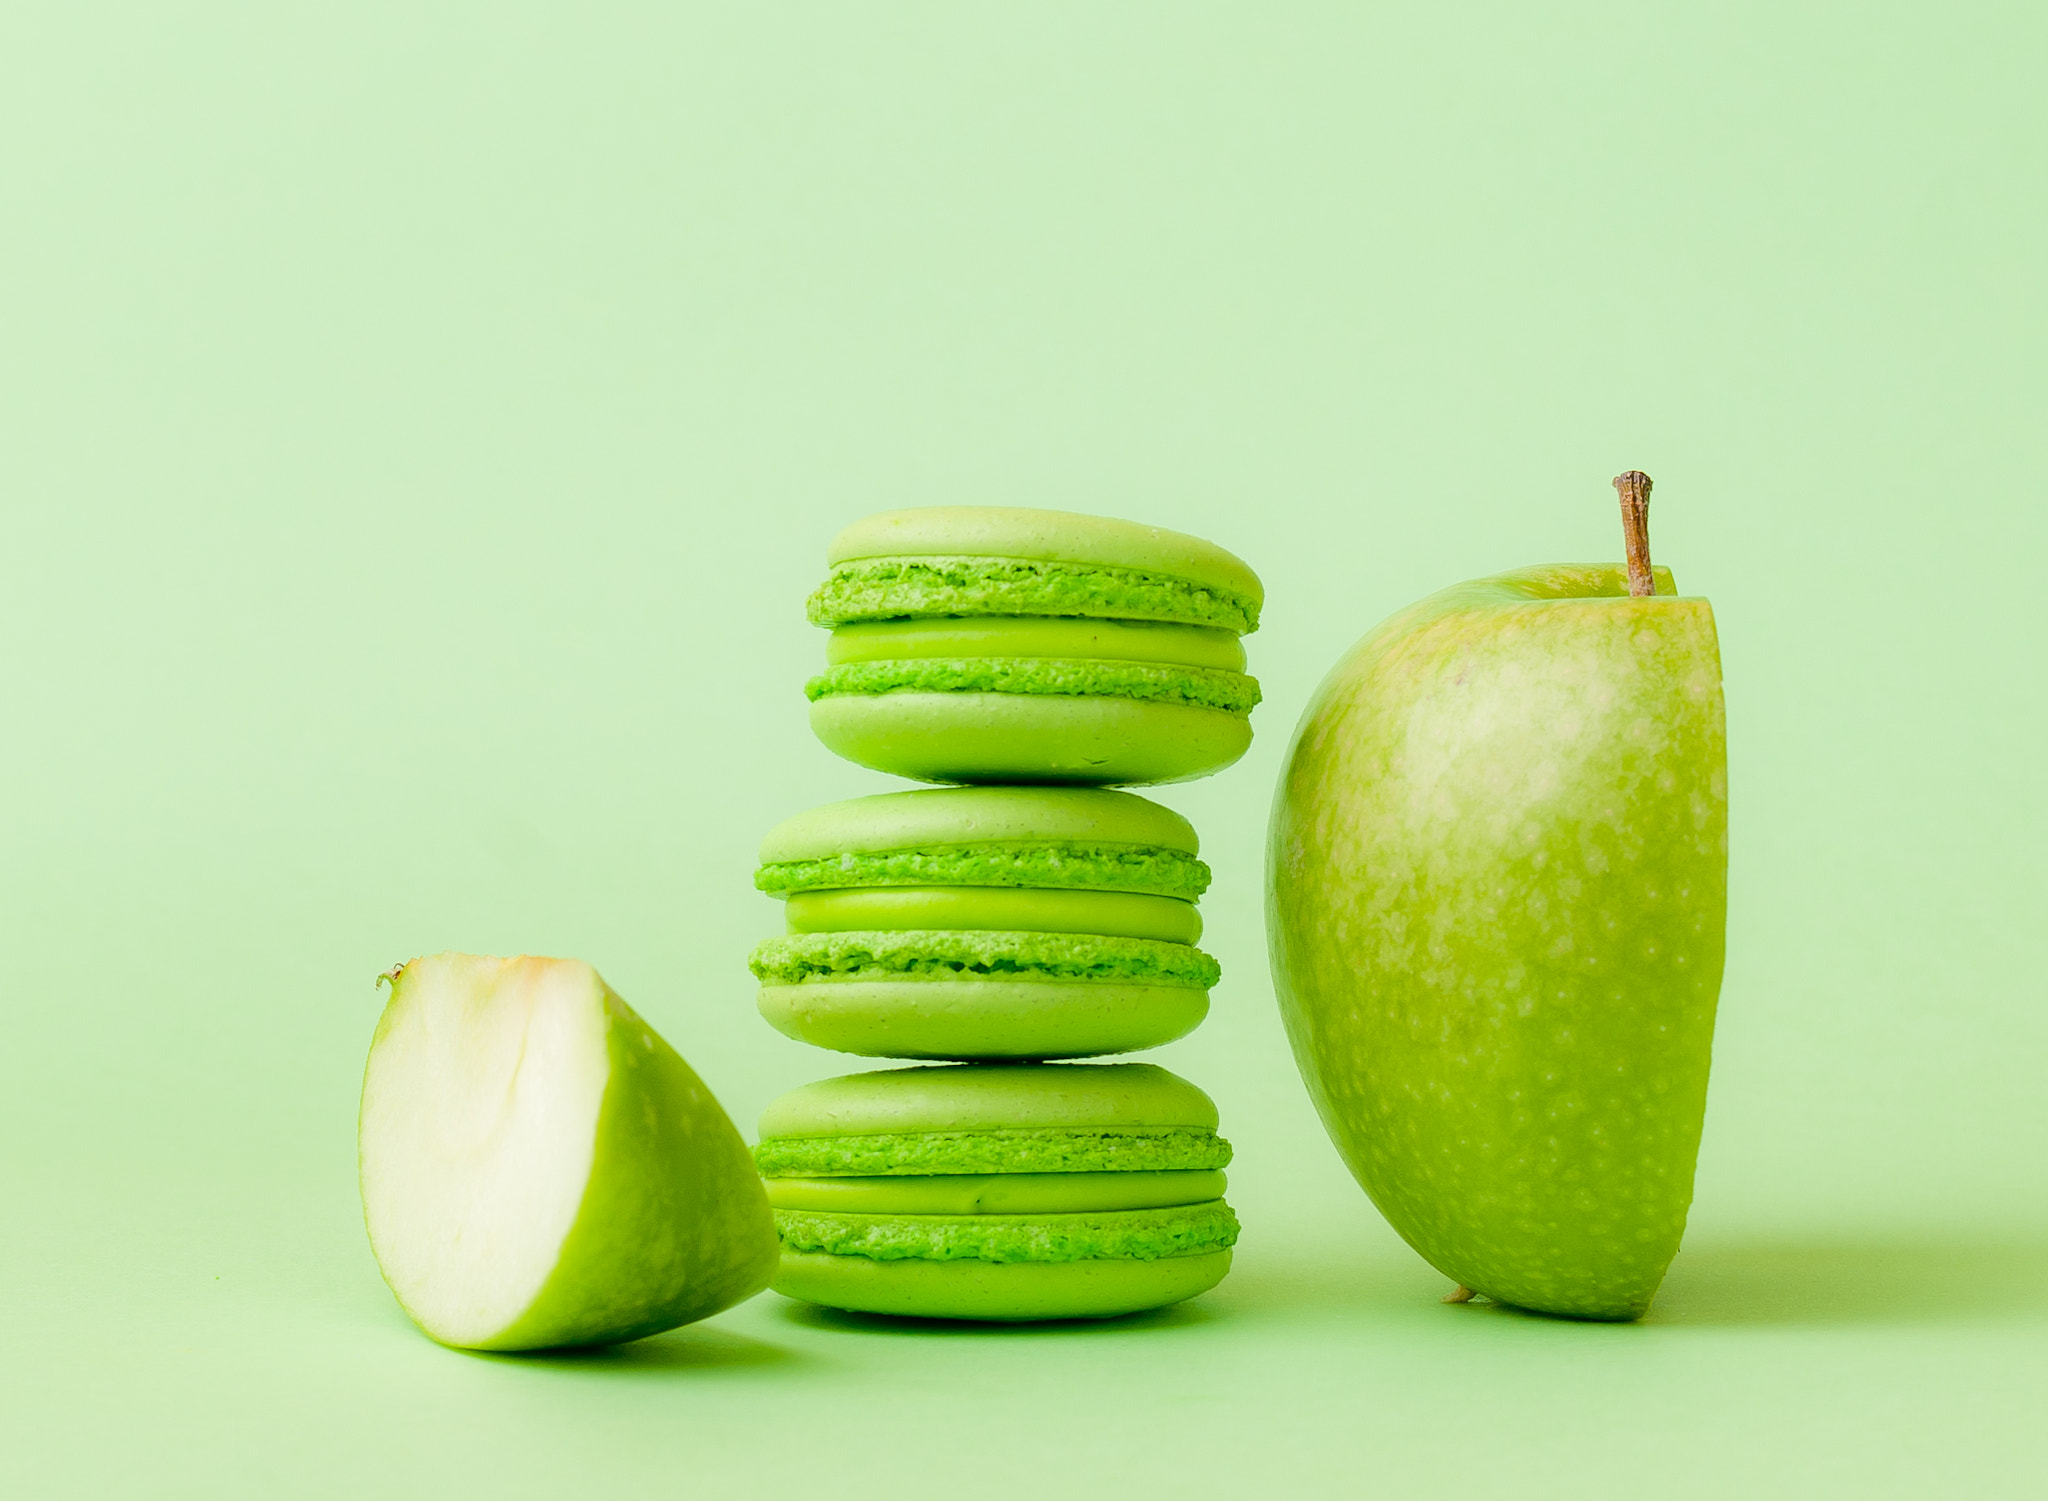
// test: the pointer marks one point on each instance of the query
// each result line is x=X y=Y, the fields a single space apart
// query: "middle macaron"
x=985 y=923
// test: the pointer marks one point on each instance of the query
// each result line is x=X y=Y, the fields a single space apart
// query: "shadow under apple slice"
x=689 y=1348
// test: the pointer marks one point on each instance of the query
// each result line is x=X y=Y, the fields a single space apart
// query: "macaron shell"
x=936 y=817
x=1120 y=914
x=1043 y=535
x=982 y=1018
x=1015 y=1291
x=1029 y=737
x=1024 y=1097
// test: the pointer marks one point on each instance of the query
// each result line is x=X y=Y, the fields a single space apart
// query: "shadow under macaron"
x=1189 y=1314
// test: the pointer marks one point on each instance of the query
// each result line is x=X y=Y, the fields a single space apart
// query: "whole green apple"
x=540 y=1169
x=1496 y=904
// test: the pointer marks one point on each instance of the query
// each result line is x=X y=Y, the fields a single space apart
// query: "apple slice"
x=539 y=1169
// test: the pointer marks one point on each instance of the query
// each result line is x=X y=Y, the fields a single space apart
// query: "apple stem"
x=1459 y=1294
x=1635 y=529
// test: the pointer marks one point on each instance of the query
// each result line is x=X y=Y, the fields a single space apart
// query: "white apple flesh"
x=539 y=1169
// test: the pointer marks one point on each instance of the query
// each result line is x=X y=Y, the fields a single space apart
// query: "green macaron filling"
x=1037 y=636
x=997 y=1193
x=1063 y=677
x=1123 y=914
x=1068 y=866
x=954 y=955
x=1153 y=1149
x=1132 y=1234
x=889 y=588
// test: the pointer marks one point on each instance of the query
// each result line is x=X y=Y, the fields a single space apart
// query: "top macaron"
x=998 y=644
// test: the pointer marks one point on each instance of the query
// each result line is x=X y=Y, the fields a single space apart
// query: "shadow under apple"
x=1788 y=1280
x=1904 y=1279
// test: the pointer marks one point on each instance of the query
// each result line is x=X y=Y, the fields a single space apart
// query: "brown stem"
x=1459 y=1294
x=1635 y=528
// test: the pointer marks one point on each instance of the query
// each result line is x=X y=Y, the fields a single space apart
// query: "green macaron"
x=1004 y=1192
x=985 y=923
x=999 y=644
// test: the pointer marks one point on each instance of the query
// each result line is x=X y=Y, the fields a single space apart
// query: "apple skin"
x=673 y=1224
x=1496 y=905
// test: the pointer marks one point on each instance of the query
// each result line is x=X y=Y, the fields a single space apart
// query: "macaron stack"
x=1025 y=914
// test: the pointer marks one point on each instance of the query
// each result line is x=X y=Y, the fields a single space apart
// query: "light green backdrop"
x=419 y=426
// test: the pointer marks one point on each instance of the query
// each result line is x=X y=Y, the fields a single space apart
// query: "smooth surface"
x=422 y=426
x=997 y=1291
x=1122 y=914
x=669 y=1230
x=997 y=1193
x=991 y=531
x=973 y=1019
x=1040 y=737
x=939 y=817
x=1036 y=636
x=985 y=1098
x=1497 y=896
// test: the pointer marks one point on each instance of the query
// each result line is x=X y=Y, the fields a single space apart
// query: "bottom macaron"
x=1000 y=1192
x=997 y=1291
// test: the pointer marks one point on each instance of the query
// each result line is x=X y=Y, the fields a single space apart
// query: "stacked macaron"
x=990 y=644
x=986 y=922
x=1029 y=915
x=998 y=1191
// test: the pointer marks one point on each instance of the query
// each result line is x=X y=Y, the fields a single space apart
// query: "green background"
x=419 y=426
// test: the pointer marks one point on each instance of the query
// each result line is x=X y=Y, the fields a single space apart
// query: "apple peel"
x=539 y=1169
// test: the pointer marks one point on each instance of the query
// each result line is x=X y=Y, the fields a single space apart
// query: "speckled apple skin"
x=1497 y=897
x=674 y=1225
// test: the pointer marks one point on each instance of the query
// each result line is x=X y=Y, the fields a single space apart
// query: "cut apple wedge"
x=539 y=1169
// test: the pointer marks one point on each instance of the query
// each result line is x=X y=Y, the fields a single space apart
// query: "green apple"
x=1497 y=892
x=539 y=1169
